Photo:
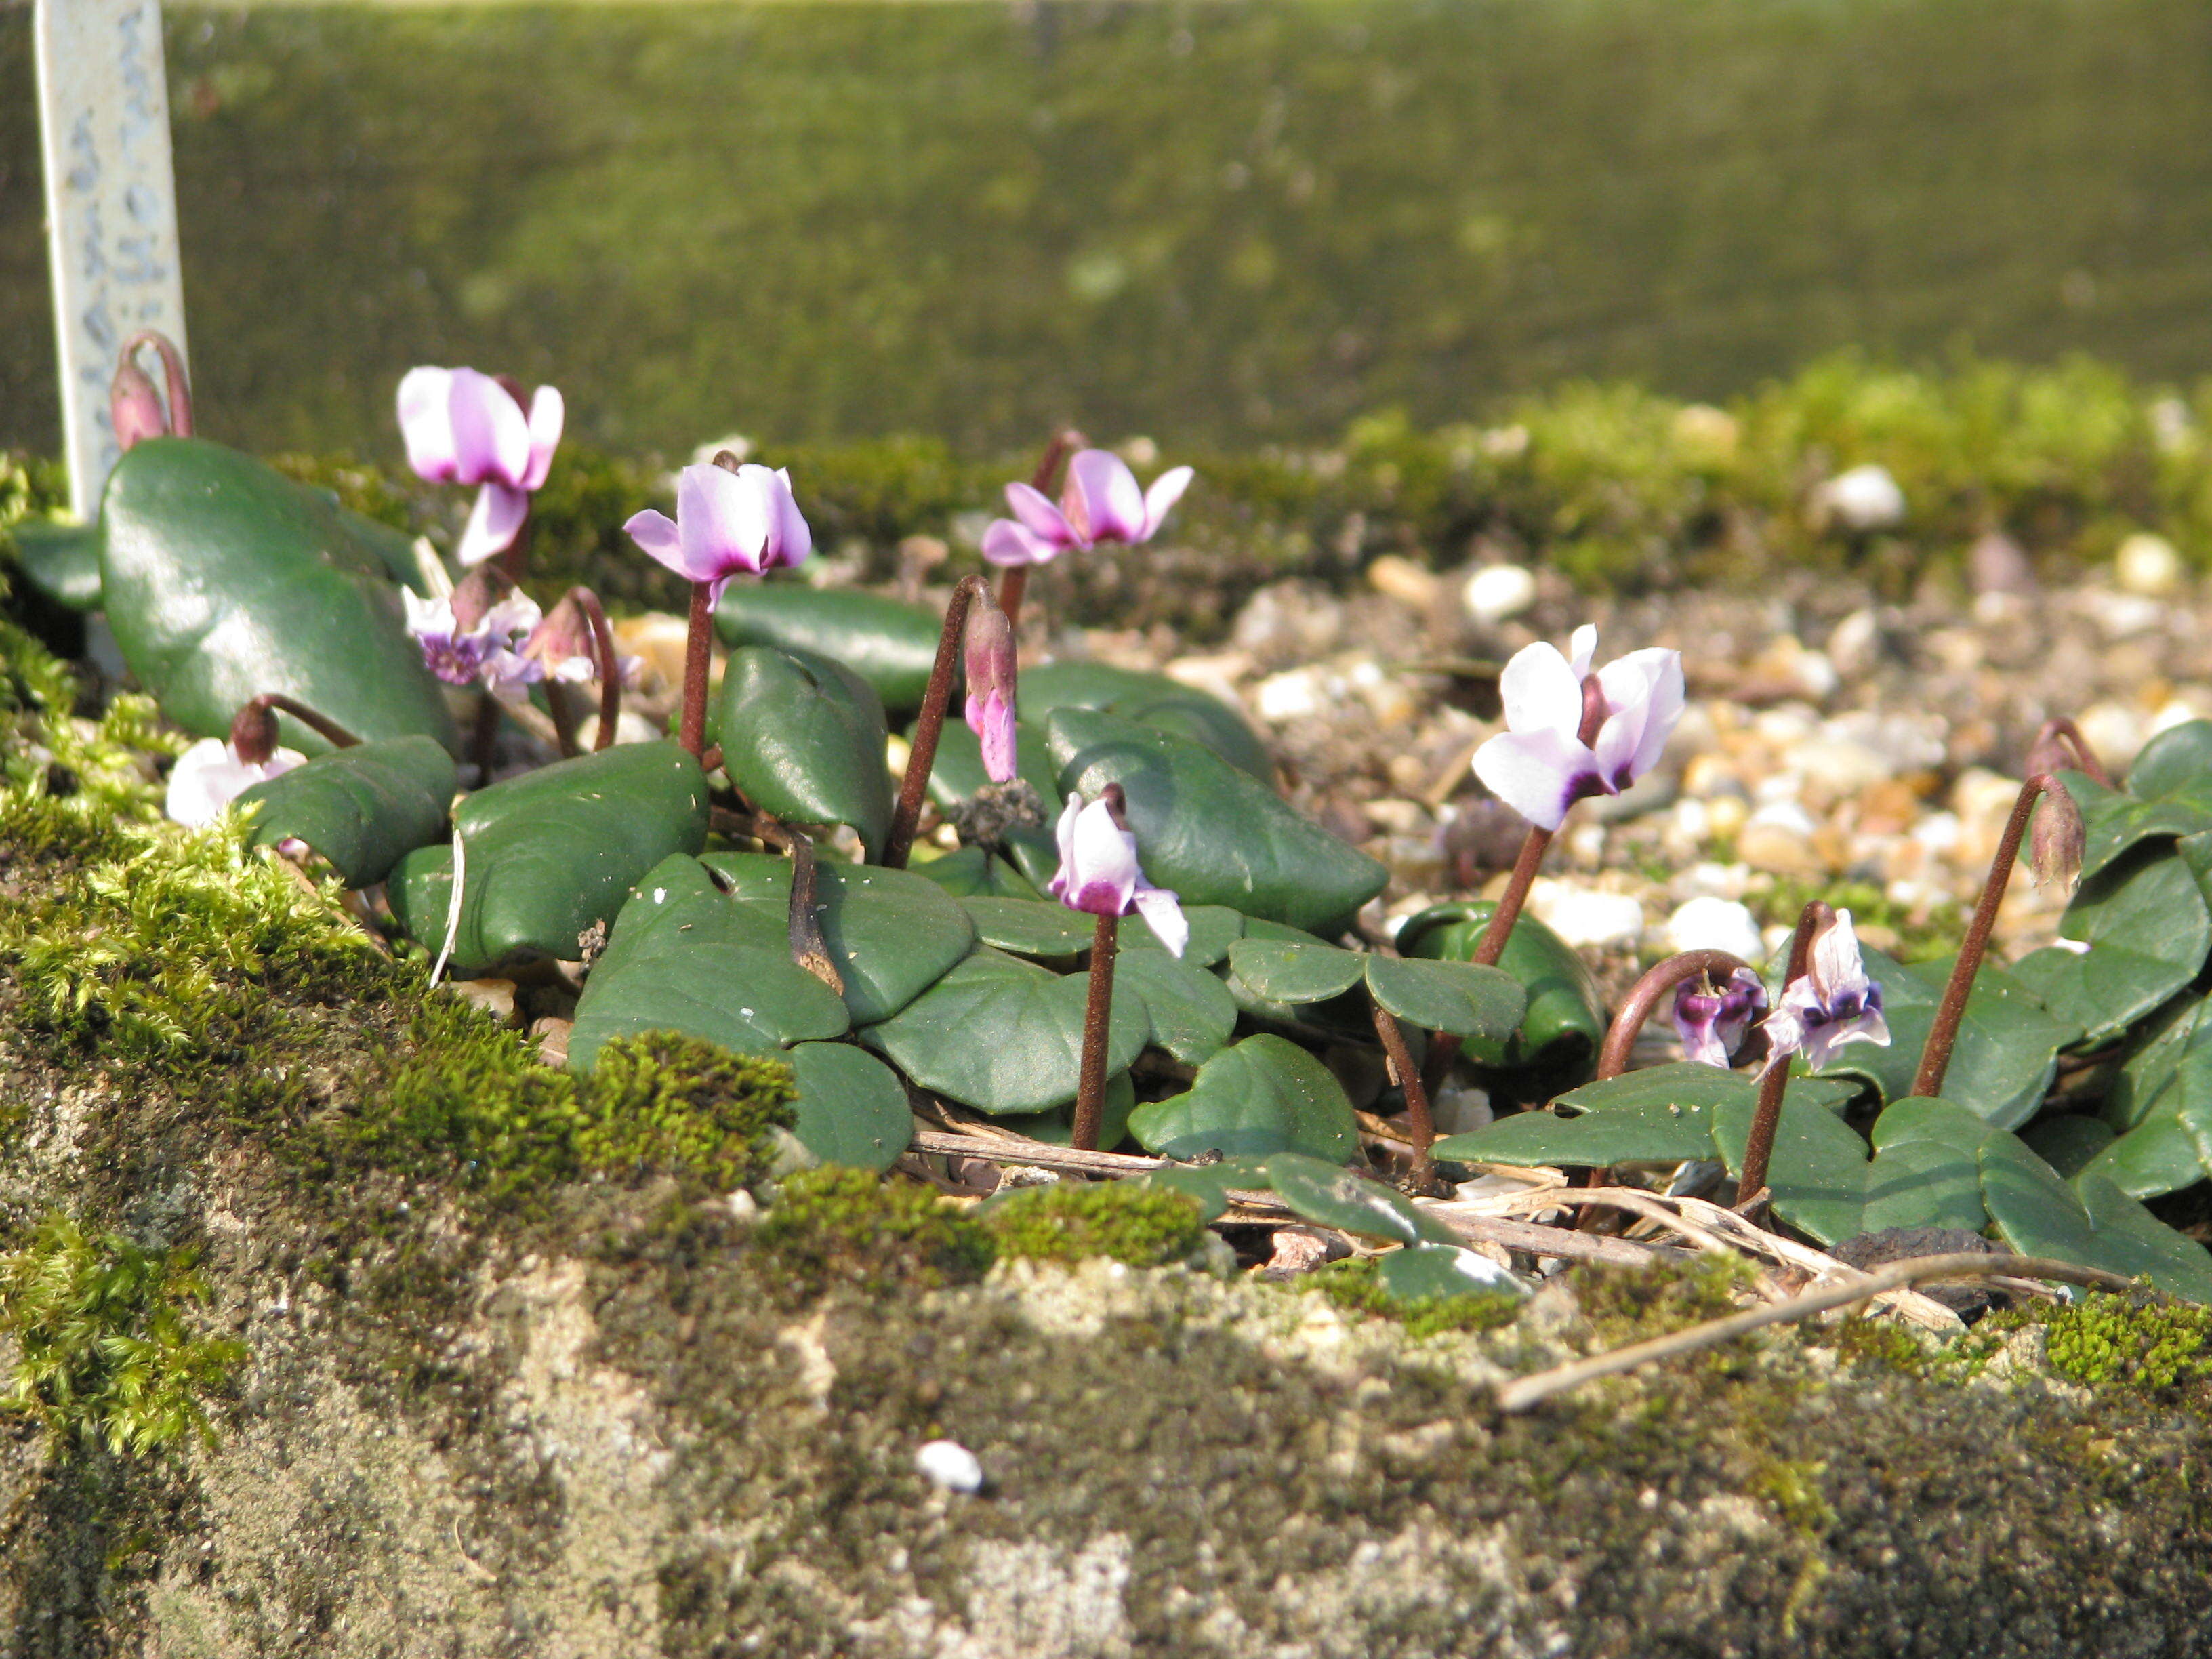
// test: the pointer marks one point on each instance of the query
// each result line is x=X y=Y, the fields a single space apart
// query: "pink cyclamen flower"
x=1101 y=502
x=1832 y=1004
x=1098 y=873
x=463 y=645
x=563 y=647
x=726 y=523
x=462 y=427
x=990 y=709
x=1539 y=765
x=1712 y=1022
x=210 y=775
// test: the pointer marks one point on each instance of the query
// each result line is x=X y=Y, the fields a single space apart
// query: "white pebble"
x=1865 y=498
x=1498 y=591
x=951 y=1465
x=1715 y=924
x=1582 y=915
x=1289 y=696
x=2149 y=565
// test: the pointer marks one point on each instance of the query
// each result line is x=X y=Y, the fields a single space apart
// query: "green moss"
x=839 y=1227
x=105 y=1353
x=1880 y=1342
x=1629 y=1304
x=1357 y=1286
x=2139 y=1343
x=1069 y=1221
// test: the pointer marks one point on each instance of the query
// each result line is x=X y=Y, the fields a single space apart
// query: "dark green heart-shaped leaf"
x=222 y=579
x=1565 y=1019
x=971 y=873
x=1152 y=699
x=2169 y=793
x=851 y=1107
x=2070 y=1143
x=1209 y=832
x=2144 y=920
x=1210 y=1183
x=362 y=808
x=889 y=645
x=890 y=934
x=1003 y=1036
x=1264 y=1095
x=2147 y=1247
x=1214 y=929
x=554 y=853
x=1435 y=1273
x=684 y=956
x=2008 y=1048
x=1035 y=852
x=1456 y=997
x=957 y=772
x=1057 y=1127
x=804 y=737
x=2161 y=1104
x=61 y=561
x=1646 y=1132
x=1334 y=1196
x=1293 y=974
x=1191 y=1010
x=1030 y=928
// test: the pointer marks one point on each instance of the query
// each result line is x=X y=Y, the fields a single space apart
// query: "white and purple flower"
x=728 y=523
x=1101 y=502
x=1539 y=765
x=1099 y=875
x=990 y=674
x=1832 y=1004
x=1712 y=1021
x=462 y=426
x=210 y=775
x=467 y=642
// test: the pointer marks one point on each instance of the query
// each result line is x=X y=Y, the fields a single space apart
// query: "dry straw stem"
x=1523 y=1392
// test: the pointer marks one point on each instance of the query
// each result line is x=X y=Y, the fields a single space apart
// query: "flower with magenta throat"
x=727 y=523
x=466 y=642
x=1712 y=1021
x=462 y=427
x=1832 y=1004
x=1098 y=873
x=990 y=710
x=1101 y=502
x=1539 y=765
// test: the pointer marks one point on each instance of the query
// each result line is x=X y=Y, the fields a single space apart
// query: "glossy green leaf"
x=1152 y=699
x=2169 y=793
x=891 y=645
x=362 y=808
x=1264 y=1095
x=1030 y=928
x=222 y=579
x=554 y=853
x=1456 y=997
x=1214 y=929
x=1035 y=851
x=2161 y=1104
x=1295 y=974
x=2147 y=1247
x=1192 y=1013
x=1433 y=1273
x=61 y=561
x=2070 y=1143
x=2144 y=920
x=1003 y=1036
x=890 y=934
x=1209 y=833
x=972 y=873
x=1057 y=1127
x=1334 y=1196
x=1565 y=1018
x=804 y=739
x=957 y=772
x=1648 y=1131
x=1210 y=1183
x=851 y=1107
x=2007 y=1052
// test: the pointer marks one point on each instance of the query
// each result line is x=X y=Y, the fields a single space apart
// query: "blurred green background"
x=1216 y=224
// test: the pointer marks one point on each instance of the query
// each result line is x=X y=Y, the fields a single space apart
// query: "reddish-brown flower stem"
x=1759 y=1145
x=177 y=388
x=320 y=724
x=1097 y=1021
x=930 y=725
x=1011 y=587
x=698 y=657
x=609 y=665
x=1644 y=996
x=1499 y=933
x=1407 y=1077
x=1943 y=1033
x=2058 y=739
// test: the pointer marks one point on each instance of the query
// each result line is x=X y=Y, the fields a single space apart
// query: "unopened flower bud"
x=134 y=406
x=475 y=594
x=563 y=643
x=253 y=734
x=989 y=648
x=2059 y=839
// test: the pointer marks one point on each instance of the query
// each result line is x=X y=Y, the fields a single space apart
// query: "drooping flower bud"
x=253 y=732
x=475 y=594
x=2059 y=839
x=1099 y=874
x=134 y=406
x=990 y=674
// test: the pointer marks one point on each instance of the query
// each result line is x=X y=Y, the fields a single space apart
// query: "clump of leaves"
x=837 y=1226
x=2137 y=1343
x=1070 y=1221
x=106 y=1355
x=1357 y=1286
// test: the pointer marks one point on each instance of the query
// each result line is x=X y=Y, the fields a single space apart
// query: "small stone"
x=1854 y=644
x=1461 y=1111
x=1288 y=696
x=1585 y=916
x=2149 y=566
x=1714 y=924
x=1727 y=815
x=660 y=638
x=1498 y=591
x=1649 y=793
x=1997 y=564
x=495 y=996
x=551 y=1036
x=1709 y=432
x=1865 y=499
x=1401 y=578
x=949 y=1464
x=1709 y=775
x=1777 y=850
